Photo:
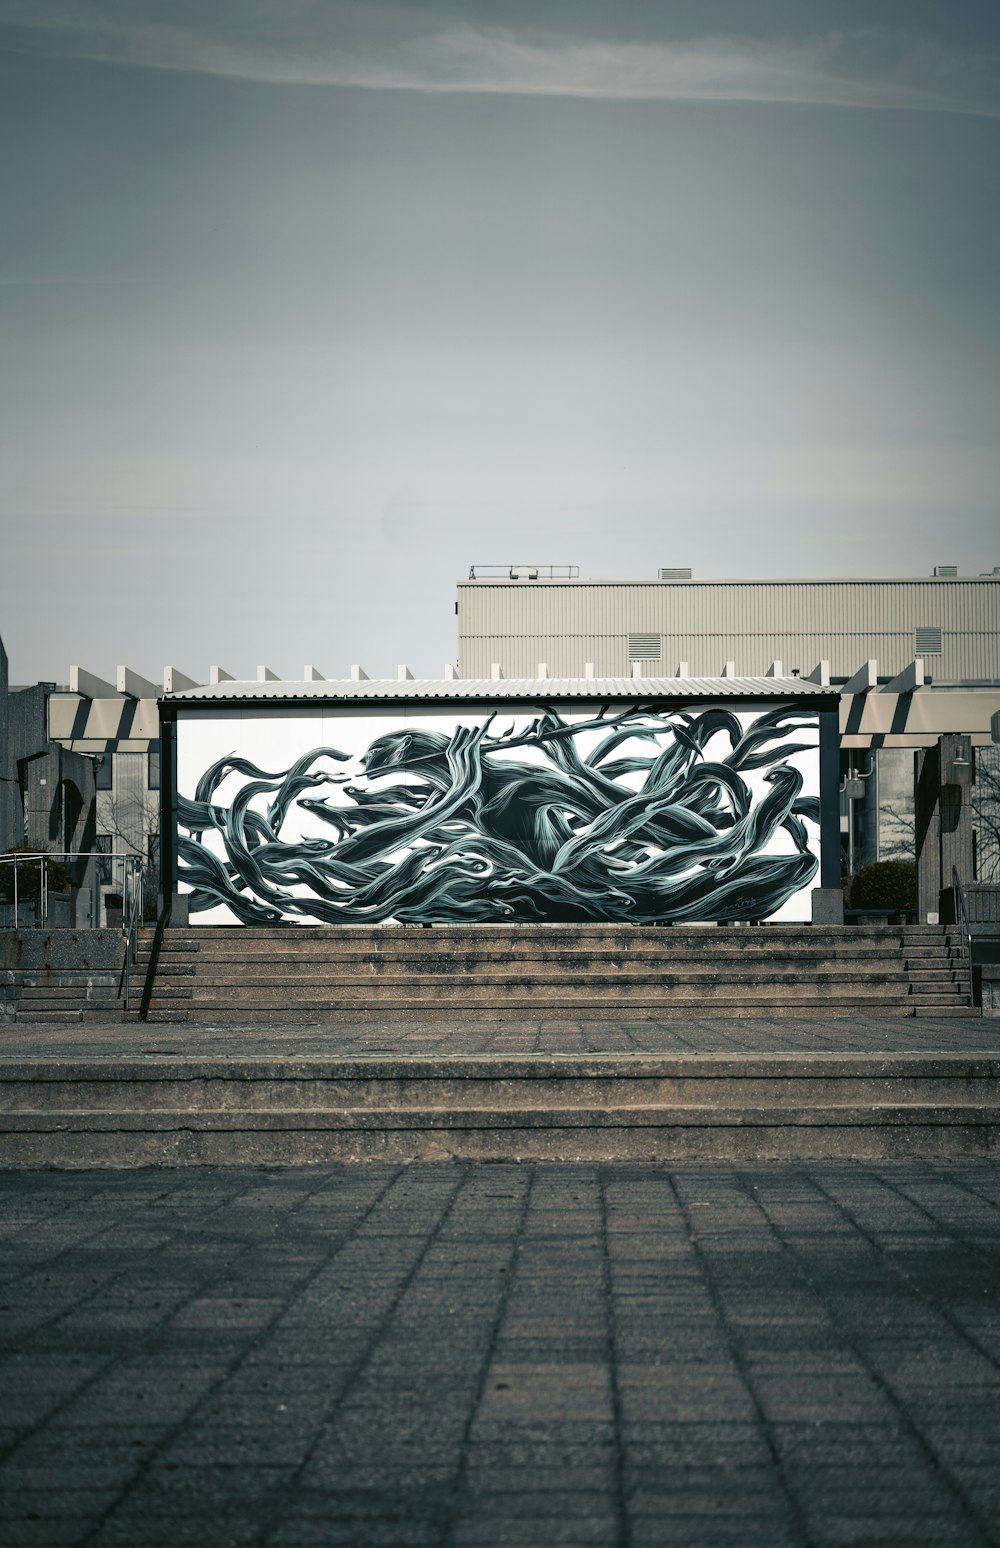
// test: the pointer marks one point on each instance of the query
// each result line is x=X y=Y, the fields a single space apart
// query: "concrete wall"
x=36 y=950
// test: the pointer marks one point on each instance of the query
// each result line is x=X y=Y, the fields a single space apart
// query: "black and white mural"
x=437 y=813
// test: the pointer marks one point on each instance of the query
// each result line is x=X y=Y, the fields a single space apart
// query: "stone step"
x=460 y=979
x=127 y=1112
x=961 y=1009
x=441 y=961
x=528 y=1012
x=71 y=979
x=424 y=942
x=319 y=932
x=63 y=1017
x=463 y=988
x=731 y=1081
x=442 y=938
x=72 y=993
x=497 y=972
x=161 y=1014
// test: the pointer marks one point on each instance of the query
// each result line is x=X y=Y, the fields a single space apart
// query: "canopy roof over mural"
x=471 y=690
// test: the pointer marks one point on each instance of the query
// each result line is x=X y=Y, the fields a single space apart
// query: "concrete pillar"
x=943 y=780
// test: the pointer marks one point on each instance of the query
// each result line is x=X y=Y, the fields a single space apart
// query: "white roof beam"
x=909 y=679
x=450 y=672
x=864 y=679
x=776 y=669
x=89 y=686
x=403 y=673
x=588 y=670
x=311 y=674
x=220 y=675
x=496 y=675
x=135 y=687
x=683 y=669
x=358 y=674
x=728 y=669
x=177 y=682
x=820 y=674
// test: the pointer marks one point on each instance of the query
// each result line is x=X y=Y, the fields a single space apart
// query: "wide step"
x=649 y=1107
x=301 y=974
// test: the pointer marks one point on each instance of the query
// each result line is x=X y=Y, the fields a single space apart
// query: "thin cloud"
x=302 y=44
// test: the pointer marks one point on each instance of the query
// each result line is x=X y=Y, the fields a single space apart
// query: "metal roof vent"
x=666 y=573
x=945 y=571
x=927 y=641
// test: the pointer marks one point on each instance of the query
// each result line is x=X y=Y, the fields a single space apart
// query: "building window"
x=103 y=845
x=928 y=642
x=644 y=647
x=153 y=769
x=104 y=768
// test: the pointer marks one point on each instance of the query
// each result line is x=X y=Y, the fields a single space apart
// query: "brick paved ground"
x=450 y=1034
x=502 y=1354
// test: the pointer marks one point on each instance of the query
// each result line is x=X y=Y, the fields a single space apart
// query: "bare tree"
x=132 y=821
x=986 y=813
x=897 y=833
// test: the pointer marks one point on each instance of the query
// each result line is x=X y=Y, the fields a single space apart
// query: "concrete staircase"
x=68 y=996
x=275 y=1111
x=491 y=973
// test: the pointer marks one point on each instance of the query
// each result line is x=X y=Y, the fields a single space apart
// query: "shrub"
x=29 y=877
x=887 y=884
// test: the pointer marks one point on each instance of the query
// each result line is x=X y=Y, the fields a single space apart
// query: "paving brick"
x=697 y=1355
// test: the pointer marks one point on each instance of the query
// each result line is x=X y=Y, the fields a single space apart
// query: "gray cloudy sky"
x=305 y=306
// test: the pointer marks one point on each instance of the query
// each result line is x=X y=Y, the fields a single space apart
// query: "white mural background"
x=273 y=739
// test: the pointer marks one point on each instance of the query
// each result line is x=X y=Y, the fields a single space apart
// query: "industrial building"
x=679 y=625
x=914 y=658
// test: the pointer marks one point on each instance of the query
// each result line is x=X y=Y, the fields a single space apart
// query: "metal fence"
x=79 y=888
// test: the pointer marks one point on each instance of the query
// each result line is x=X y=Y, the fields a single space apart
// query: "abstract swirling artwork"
x=642 y=815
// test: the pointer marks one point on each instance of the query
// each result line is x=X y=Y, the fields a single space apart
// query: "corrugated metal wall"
x=706 y=623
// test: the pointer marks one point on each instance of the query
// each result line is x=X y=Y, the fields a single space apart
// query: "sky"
x=307 y=306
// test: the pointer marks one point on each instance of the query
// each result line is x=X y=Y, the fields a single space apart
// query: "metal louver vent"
x=928 y=642
x=644 y=647
x=674 y=572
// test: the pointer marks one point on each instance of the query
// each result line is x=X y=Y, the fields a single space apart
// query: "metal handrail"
x=130 y=863
x=154 y=959
x=962 y=921
x=130 y=931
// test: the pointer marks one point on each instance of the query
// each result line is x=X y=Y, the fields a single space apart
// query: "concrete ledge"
x=66 y=950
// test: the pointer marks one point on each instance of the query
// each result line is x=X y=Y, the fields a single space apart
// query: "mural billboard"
x=432 y=812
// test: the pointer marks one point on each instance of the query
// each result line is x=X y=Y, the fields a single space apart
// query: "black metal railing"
x=524 y=571
x=154 y=958
x=131 y=919
x=962 y=920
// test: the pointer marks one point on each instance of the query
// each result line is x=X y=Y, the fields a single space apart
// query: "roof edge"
x=447 y=690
